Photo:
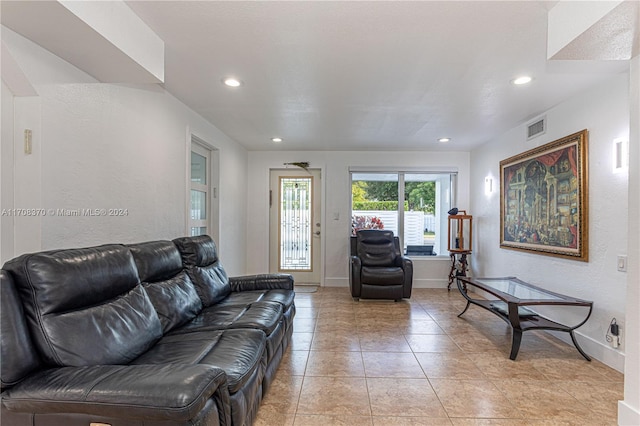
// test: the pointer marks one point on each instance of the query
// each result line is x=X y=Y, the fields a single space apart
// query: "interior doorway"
x=294 y=224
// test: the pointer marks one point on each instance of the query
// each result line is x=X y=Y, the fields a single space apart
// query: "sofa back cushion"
x=376 y=247
x=200 y=257
x=85 y=306
x=18 y=357
x=169 y=287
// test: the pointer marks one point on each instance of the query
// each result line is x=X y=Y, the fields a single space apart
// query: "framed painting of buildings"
x=544 y=199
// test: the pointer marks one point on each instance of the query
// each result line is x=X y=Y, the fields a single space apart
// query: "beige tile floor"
x=416 y=363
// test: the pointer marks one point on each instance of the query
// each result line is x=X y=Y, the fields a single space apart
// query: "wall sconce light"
x=488 y=185
x=620 y=155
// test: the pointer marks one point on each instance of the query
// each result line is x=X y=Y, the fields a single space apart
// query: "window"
x=200 y=194
x=413 y=205
x=203 y=202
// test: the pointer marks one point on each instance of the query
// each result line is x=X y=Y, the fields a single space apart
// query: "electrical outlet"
x=622 y=263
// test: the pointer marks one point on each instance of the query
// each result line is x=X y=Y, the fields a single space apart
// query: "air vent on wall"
x=537 y=128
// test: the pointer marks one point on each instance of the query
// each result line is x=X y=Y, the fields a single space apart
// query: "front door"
x=294 y=224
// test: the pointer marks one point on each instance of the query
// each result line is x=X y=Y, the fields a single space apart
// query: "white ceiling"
x=363 y=75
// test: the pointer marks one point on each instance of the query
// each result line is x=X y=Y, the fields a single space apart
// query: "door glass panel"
x=202 y=196
x=198 y=230
x=198 y=205
x=198 y=168
x=295 y=223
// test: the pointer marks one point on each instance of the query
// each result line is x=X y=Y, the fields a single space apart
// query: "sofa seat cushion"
x=239 y=353
x=263 y=316
x=283 y=297
x=156 y=393
x=382 y=276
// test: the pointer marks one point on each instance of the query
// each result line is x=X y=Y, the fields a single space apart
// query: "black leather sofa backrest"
x=200 y=257
x=197 y=251
x=169 y=287
x=91 y=292
x=376 y=247
x=18 y=357
x=156 y=260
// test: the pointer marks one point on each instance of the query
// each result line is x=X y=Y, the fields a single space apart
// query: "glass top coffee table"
x=513 y=297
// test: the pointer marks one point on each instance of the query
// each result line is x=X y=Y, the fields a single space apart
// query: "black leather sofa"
x=144 y=334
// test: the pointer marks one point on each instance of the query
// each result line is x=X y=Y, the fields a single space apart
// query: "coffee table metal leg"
x=515 y=344
x=465 y=308
x=575 y=343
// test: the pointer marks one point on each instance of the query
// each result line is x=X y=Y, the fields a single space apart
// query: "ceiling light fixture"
x=276 y=140
x=232 y=82
x=444 y=140
x=522 y=80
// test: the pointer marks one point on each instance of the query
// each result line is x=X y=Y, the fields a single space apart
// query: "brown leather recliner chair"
x=378 y=268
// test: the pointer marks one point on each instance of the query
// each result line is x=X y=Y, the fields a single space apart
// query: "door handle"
x=317 y=233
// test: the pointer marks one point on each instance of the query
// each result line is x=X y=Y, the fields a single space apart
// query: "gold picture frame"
x=544 y=199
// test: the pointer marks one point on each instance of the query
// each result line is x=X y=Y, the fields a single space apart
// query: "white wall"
x=336 y=188
x=629 y=409
x=114 y=146
x=6 y=187
x=604 y=112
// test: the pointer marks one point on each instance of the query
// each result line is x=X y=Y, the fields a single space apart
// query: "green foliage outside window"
x=421 y=196
x=378 y=195
x=378 y=205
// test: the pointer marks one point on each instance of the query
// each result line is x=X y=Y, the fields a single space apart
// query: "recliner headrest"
x=376 y=247
x=375 y=236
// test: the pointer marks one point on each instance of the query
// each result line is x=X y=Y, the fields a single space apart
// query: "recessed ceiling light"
x=443 y=140
x=232 y=82
x=522 y=80
x=276 y=140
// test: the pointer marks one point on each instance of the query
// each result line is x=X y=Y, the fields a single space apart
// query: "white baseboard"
x=627 y=415
x=417 y=283
x=336 y=282
x=603 y=353
x=431 y=283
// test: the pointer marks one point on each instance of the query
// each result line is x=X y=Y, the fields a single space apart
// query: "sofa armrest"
x=407 y=267
x=262 y=282
x=355 y=283
x=404 y=262
x=170 y=392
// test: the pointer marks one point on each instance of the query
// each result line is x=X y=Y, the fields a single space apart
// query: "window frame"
x=401 y=172
x=211 y=222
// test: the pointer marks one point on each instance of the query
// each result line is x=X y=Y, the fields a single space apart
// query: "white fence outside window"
x=415 y=223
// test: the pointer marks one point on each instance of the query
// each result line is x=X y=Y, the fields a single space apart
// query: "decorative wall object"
x=544 y=199
x=302 y=164
x=460 y=230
